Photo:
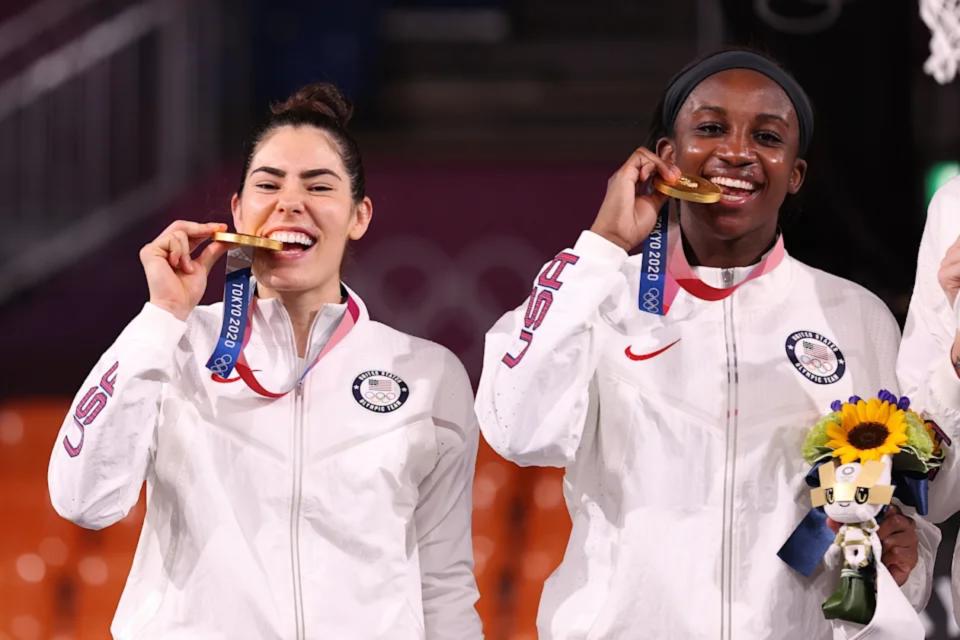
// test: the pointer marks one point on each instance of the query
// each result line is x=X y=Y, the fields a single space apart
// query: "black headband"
x=684 y=82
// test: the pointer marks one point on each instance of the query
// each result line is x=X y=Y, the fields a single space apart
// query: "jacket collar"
x=327 y=322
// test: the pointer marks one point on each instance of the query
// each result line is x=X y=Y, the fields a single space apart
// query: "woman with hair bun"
x=311 y=478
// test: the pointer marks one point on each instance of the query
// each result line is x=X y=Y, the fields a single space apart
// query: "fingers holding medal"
x=175 y=244
x=175 y=280
x=629 y=209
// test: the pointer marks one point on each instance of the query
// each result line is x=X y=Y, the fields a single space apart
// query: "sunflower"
x=867 y=430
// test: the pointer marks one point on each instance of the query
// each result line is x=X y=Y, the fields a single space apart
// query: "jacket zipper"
x=297 y=478
x=295 y=507
x=730 y=463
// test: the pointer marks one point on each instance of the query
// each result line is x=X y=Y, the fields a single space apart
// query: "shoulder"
x=949 y=192
x=830 y=289
x=433 y=358
x=433 y=365
x=943 y=214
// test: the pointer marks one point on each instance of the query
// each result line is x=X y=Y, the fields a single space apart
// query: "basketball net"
x=943 y=18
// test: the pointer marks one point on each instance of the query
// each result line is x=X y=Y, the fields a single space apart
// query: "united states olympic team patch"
x=380 y=391
x=816 y=357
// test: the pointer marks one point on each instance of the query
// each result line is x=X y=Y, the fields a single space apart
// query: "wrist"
x=175 y=310
x=612 y=238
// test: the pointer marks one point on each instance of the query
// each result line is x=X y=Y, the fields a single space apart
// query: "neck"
x=703 y=247
x=302 y=307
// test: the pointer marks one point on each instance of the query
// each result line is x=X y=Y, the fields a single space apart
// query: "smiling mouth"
x=734 y=190
x=293 y=241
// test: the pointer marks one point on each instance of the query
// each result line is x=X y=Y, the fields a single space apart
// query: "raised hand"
x=175 y=280
x=949 y=273
x=630 y=207
x=898 y=538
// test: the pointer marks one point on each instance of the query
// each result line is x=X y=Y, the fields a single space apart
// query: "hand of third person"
x=898 y=537
x=949 y=273
x=631 y=205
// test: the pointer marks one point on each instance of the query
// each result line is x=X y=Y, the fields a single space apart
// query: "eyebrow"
x=760 y=116
x=304 y=175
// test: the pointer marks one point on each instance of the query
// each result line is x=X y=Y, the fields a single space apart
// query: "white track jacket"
x=926 y=374
x=681 y=437
x=309 y=516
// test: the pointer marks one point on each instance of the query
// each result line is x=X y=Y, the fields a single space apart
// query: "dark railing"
x=102 y=129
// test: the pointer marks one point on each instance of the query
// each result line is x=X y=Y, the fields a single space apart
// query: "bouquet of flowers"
x=863 y=453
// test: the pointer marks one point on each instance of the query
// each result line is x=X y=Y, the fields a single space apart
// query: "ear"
x=666 y=150
x=363 y=214
x=235 y=210
x=797 y=175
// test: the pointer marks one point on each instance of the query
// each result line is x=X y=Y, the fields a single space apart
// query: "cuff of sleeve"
x=155 y=329
x=597 y=247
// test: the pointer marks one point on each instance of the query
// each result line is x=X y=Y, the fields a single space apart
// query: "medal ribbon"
x=653 y=269
x=347 y=322
x=237 y=293
x=239 y=304
x=659 y=286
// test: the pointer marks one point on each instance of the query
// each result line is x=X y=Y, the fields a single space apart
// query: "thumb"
x=210 y=254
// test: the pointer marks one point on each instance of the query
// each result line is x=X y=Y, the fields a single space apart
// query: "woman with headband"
x=676 y=387
x=319 y=488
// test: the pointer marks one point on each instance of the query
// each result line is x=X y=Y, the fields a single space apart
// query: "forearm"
x=101 y=453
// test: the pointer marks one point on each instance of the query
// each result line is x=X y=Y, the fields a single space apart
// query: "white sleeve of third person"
x=102 y=451
x=924 y=369
x=539 y=359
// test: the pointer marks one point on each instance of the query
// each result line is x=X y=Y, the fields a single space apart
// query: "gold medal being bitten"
x=689 y=188
x=248 y=240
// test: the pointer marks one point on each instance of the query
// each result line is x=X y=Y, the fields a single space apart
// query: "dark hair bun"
x=320 y=98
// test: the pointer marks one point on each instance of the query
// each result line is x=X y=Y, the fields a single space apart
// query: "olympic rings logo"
x=467 y=291
x=380 y=396
x=222 y=364
x=651 y=300
x=821 y=366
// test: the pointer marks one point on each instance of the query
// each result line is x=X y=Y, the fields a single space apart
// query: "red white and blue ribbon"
x=347 y=322
x=237 y=295
x=239 y=305
x=659 y=286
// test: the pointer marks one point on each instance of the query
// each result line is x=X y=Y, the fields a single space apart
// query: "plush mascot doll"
x=862 y=454
x=853 y=494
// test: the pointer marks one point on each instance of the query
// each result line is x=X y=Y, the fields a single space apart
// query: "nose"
x=737 y=149
x=289 y=201
x=289 y=206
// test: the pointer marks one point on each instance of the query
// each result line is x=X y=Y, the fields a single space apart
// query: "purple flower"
x=886 y=396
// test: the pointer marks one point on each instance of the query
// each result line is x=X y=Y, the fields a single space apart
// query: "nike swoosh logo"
x=646 y=356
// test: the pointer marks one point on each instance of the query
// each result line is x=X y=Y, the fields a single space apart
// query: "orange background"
x=59 y=581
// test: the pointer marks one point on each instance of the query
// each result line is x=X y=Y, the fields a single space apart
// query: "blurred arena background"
x=489 y=129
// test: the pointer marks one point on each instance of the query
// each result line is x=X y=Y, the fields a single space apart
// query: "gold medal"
x=689 y=188
x=248 y=240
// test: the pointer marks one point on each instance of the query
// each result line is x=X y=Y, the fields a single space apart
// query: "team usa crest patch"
x=380 y=391
x=816 y=357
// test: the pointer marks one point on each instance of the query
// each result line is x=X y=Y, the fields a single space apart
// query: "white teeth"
x=292 y=237
x=733 y=183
